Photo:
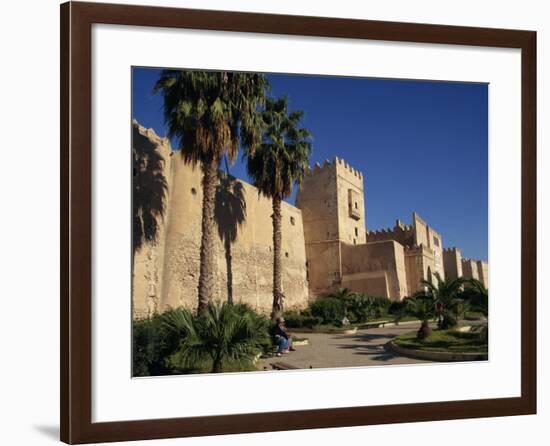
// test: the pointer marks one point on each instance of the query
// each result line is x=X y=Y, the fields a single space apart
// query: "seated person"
x=283 y=339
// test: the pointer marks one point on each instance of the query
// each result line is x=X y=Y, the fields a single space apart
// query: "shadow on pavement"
x=368 y=337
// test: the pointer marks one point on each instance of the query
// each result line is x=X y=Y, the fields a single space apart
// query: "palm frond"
x=282 y=158
x=211 y=114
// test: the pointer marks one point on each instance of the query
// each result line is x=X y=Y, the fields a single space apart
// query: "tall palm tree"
x=444 y=294
x=211 y=114
x=275 y=166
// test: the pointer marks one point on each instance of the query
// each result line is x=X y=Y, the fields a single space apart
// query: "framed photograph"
x=279 y=222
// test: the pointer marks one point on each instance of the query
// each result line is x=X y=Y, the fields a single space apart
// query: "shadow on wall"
x=149 y=190
x=229 y=213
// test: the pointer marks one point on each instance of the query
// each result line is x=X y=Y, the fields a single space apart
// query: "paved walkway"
x=363 y=348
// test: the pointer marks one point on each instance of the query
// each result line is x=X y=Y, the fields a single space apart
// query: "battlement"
x=469 y=259
x=387 y=231
x=336 y=164
x=151 y=134
x=342 y=165
x=452 y=249
x=401 y=233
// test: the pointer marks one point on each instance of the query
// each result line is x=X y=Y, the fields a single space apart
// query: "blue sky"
x=421 y=145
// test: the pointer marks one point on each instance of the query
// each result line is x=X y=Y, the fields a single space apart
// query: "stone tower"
x=452 y=259
x=332 y=202
x=469 y=269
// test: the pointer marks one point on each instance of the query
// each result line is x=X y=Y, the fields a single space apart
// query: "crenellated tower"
x=452 y=259
x=332 y=202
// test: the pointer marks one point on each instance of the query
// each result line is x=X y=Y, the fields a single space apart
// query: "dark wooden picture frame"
x=76 y=221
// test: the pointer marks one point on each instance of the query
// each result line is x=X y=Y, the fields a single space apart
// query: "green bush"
x=398 y=310
x=329 y=309
x=294 y=319
x=380 y=306
x=152 y=344
x=359 y=309
x=477 y=302
x=396 y=307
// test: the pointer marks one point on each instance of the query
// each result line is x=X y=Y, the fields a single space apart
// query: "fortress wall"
x=248 y=259
x=483 y=272
x=369 y=283
x=323 y=266
x=364 y=266
x=452 y=258
x=325 y=244
x=244 y=245
x=147 y=269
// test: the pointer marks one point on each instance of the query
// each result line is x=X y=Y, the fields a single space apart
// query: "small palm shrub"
x=218 y=337
x=445 y=295
x=329 y=310
x=422 y=308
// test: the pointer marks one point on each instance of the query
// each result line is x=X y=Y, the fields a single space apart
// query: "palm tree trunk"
x=277 y=278
x=229 y=268
x=217 y=364
x=207 y=256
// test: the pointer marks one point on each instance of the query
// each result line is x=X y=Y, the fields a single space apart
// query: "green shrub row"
x=329 y=310
x=334 y=307
x=295 y=319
